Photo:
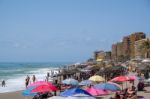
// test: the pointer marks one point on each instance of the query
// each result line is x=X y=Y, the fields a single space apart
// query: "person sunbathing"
x=131 y=92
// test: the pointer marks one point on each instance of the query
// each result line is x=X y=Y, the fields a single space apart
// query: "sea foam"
x=17 y=82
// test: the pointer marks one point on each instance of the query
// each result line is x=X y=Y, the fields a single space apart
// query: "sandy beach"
x=13 y=95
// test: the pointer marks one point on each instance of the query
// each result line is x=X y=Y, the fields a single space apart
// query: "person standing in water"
x=34 y=78
x=27 y=80
x=3 y=83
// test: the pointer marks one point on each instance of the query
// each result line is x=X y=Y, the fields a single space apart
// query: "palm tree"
x=145 y=47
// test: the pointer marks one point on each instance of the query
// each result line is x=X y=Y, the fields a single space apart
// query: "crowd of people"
x=128 y=93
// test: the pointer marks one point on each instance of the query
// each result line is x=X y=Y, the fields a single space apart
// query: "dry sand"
x=13 y=95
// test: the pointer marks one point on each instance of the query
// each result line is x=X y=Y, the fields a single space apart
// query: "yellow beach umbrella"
x=97 y=78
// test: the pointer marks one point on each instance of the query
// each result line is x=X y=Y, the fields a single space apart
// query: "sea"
x=14 y=74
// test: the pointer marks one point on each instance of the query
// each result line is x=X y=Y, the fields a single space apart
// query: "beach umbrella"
x=146 y=61
x=38 y=83
x=97 y=78
x=86 y=97
x=80 y=96
x=28 y=92
x=96 y=92
x=108 y=86
x=42 y=88
x=57 y=97
x=147 y=80
x=132 y=77
x=120 y=79
x=74 y=91
x=70 y=81
x=53 y=87
x=86 y=82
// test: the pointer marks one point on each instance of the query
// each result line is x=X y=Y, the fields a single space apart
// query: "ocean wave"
x=17 y=82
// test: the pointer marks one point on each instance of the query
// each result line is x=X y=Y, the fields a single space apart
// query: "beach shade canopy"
x=85 y=70
x=120 y=79
x=97 y=78
x=74 y=91
x=96 y=92
x=108 y=86
x=28 y=91
x=86 y=82
x=50 y=85
x=70 y=81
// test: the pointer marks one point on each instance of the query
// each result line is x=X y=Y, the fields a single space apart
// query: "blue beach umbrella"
x=28 y=91
x=70 y=81
x=86 y=82
x=108 y=86
x=74 y=91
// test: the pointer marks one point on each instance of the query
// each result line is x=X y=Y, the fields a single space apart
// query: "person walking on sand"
x=34 y=78
x=3 y=83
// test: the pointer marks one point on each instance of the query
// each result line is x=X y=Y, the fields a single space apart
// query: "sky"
x=67 y=30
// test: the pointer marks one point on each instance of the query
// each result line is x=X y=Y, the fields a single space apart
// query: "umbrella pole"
x=126 y=84
x=122 y=86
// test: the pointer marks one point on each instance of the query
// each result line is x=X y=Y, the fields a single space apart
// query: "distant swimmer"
x=3 y=83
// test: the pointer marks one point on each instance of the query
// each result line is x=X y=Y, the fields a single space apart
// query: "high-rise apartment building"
x=133 y=38
x=126 y=47
x=99 y=55
x=119 y=51
x=139 y=53
x=114 y=52
x=108 y=55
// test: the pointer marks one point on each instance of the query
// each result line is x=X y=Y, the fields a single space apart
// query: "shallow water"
x=15 y=73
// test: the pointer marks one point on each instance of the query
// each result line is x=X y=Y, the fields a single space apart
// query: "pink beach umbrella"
x=132 y=78
x=39 y=83
x=50 y=85
x=120 y=79
x=42 y=88
x=96 y=92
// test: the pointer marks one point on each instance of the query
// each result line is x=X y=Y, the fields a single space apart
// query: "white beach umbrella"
x=87 y=97
x=146 y=61
x=57 y=97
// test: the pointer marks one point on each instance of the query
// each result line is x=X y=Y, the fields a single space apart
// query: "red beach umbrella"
x=42 y=88
x=120 y=79
x=132 y=78
x=50 y=85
